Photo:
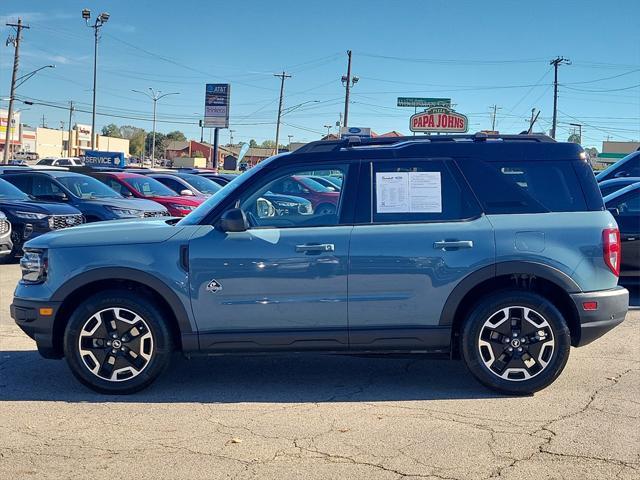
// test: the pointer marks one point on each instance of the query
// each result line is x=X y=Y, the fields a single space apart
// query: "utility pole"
x=69 y=150
x=532 y=121
x=44 y=125
x=201 y=124
x=16 y=61
x=579 y=125
x=231 y=136
x=493 y=117
x=100 y=21
x=348 y=82
x=556 y=62
x=282 y=77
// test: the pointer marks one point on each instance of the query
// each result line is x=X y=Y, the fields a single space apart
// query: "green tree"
x=176 y=135
x=268 y=144
x=111 y=130
x=161 y=140
x=574 y=138
x=253 y=143
x=136 y=137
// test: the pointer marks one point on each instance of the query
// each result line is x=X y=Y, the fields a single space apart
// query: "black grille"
x=56 y=222
x=4 y=226
x=157 y=213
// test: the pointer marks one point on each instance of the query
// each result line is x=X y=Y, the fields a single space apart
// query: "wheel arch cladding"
x=543 y=279
x=79 y=288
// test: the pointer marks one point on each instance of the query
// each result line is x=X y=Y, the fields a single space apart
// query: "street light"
x=155 y=96
x=328 y=127
x=100 y=21
x=27 y=76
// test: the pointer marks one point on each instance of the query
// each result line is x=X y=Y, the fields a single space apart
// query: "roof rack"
x=351 y=142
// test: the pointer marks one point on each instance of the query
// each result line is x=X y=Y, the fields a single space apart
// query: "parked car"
x=6 y=245
x=220 y=178
x=332 y=186
x=30 y=218
x=26 y=156
x=625 y=207
x=628 y=166
x=496 y=251
x=18 y=162
x=187 y=183
x=96 y=201
x=607 y=187
x=143 y=186
x=324 y=200
x=61 y=162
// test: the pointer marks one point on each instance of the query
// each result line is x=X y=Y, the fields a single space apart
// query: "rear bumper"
x=26 y=314
x=612 y=306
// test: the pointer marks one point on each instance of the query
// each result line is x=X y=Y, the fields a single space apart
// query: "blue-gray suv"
x=494 y=249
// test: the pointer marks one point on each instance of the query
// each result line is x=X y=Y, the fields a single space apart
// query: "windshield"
x=149 y=187
x=87 y=188
x=46 y=161
x=202 y=184
x=9 y=192
x=195 y=217
x=313 y=185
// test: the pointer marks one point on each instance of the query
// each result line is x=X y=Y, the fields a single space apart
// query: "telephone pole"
x=69 y=150
x=348 y=82
x=282 y=77
x=16 y=61
x=556 y=62
x=493 y=116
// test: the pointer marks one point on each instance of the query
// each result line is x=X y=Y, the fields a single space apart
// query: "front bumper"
x=26 y=314
x=612 y=306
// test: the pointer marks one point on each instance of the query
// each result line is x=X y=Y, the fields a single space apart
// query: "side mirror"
x=127 y=193
x=614 y=211
x=186 y=193
x=233 y=220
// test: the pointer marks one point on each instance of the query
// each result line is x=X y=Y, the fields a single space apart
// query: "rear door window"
x=421 y=190
x=524 y=187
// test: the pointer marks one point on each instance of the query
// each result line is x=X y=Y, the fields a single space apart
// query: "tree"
x=574 y=138
x=136 y=137
x=253 y=143
x=177 y=136
x=161 y=140
x=268 y=144
x=111 y=130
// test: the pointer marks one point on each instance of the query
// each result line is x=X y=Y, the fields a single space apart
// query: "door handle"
x=446 y=244
x=316 y=248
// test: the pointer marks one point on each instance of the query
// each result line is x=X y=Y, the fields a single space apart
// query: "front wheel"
x=117 y=342
x=515 y=342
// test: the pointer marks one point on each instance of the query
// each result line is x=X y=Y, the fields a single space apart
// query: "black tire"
x=325 y=209
x=529 y=367
x=145 y=356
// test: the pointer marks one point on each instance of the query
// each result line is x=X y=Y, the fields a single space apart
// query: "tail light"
x=611 y=249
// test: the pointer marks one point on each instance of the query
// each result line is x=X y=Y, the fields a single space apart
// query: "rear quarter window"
x=531 y=187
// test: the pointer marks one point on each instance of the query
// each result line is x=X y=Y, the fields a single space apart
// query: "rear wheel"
x=325 y=209
x=515 y=342
x=117 y=342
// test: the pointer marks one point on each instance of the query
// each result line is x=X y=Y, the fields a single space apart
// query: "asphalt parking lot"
x=320 y=417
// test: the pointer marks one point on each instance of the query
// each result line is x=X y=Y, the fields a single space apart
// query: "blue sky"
x=477 y=53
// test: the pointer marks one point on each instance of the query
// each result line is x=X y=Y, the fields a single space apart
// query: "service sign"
x=362 y=132
x=439 y=119
x=216 y=105
x=103 y=159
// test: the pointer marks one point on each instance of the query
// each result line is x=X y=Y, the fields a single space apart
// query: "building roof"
x=177 y=145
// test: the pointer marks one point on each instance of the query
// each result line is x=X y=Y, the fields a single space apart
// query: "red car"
x=324 y=200
x=142 y=186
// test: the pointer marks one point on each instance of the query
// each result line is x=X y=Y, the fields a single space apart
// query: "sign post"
x=216 y=112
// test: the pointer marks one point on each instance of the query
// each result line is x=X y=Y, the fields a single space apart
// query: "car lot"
x=320 y=417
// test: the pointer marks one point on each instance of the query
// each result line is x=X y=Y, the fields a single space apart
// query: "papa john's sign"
x=439 y=119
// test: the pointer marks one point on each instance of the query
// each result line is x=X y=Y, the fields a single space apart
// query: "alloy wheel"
x=516 y=343
x=115 y=344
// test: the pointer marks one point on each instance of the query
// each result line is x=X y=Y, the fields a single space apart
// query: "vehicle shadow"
x=25 y=376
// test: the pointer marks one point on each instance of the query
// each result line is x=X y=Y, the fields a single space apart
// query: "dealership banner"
x=216 y=105
x=103 y=159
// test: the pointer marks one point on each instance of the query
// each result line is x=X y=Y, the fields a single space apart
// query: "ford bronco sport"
x=494 y=249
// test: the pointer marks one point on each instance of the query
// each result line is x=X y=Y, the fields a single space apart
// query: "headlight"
x=188 y=208
x=34 y=265
x=30 y=215
x=126 y=212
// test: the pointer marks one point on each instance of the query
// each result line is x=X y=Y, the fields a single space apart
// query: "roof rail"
x=355 y=142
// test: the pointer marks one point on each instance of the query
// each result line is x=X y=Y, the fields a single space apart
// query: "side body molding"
x=533 y=269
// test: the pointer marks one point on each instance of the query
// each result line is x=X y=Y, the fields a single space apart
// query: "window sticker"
x=408 y=192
